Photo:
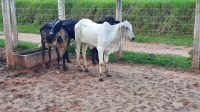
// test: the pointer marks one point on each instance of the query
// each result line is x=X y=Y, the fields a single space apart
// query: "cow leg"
x=58 y=58
x=78 y=47
x=43 y=55
x=97 y=57
x=43 y=41
x=100 y=53
x=84 y=49
x=64 y=57
x=67 y=56
x=49 y=51
x=93 y=56
x=106 y=58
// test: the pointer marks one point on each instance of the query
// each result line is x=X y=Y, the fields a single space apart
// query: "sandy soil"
x=132 y=88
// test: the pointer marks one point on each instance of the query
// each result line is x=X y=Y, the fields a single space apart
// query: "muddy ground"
x=132 y=88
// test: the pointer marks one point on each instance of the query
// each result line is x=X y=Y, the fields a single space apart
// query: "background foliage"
x=149 y=17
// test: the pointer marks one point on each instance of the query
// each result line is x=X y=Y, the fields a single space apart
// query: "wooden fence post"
x=196 y=44
x=119 y=18
x=14 y=23
x=61 y=9
x=8 y=35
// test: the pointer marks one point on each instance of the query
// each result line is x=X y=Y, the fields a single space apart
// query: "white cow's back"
x=104 y=36
x=87 y=32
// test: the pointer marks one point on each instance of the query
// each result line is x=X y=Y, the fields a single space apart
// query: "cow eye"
x=127 y=28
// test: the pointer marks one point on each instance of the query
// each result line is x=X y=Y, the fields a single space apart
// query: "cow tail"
x=77 y=31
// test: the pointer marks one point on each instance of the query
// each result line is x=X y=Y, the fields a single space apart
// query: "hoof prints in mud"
x=20 y=74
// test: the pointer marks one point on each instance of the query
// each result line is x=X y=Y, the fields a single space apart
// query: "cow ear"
x=121 y=26
x=116 y=22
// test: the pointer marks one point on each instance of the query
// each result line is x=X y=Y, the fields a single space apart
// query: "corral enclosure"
x=132 y=87
x=172 y=18
x=160 y=18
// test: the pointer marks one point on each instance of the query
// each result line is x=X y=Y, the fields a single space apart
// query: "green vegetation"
x=143 y=1
x=1 y=27
x=26 y=28
x=2 y=43
x=155 y=59
x=29 y=28
x=175 y=40
x=160 y=17
x=22 y=45
x=27 y=45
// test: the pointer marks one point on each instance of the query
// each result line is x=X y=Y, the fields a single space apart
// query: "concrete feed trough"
x=32 y=57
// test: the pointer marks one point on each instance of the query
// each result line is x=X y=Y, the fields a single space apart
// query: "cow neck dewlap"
x=64 y=38
x=122 y=37
x=62 y=34
x=118 y=35
x=113 y=48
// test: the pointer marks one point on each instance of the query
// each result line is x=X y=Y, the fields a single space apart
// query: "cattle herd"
x=103 y=37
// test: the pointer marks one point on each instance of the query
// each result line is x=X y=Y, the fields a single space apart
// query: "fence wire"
x=161 y=21
x=176 y=21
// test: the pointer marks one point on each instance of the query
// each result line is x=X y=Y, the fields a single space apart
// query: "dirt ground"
x=132 y=88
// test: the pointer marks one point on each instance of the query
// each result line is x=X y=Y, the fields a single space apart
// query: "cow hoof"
x=43 y=66
x=58 y=67
x=65 y=68
x=80 y=70
x=69 y=61
x=101 y=79
x=94 y=63
x=86 y=70
x=109 y=75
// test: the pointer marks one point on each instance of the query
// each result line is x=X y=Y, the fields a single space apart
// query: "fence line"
x=144 y=20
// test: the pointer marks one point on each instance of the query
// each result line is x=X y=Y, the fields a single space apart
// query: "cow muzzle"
x=51 y=33
x=133 y=38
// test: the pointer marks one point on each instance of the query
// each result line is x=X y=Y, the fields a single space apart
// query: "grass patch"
x=27 y=45
x=22 y=45
x=146 y=1
x=2 y=43
x=29 y=28
x=155 y=59
x=187 y=41
x=1 y=27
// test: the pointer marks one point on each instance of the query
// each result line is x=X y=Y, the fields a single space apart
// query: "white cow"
x=105 y=37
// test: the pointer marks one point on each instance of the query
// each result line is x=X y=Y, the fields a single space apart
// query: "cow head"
x=57 y=25
x=111 y=20
x=128 y=31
